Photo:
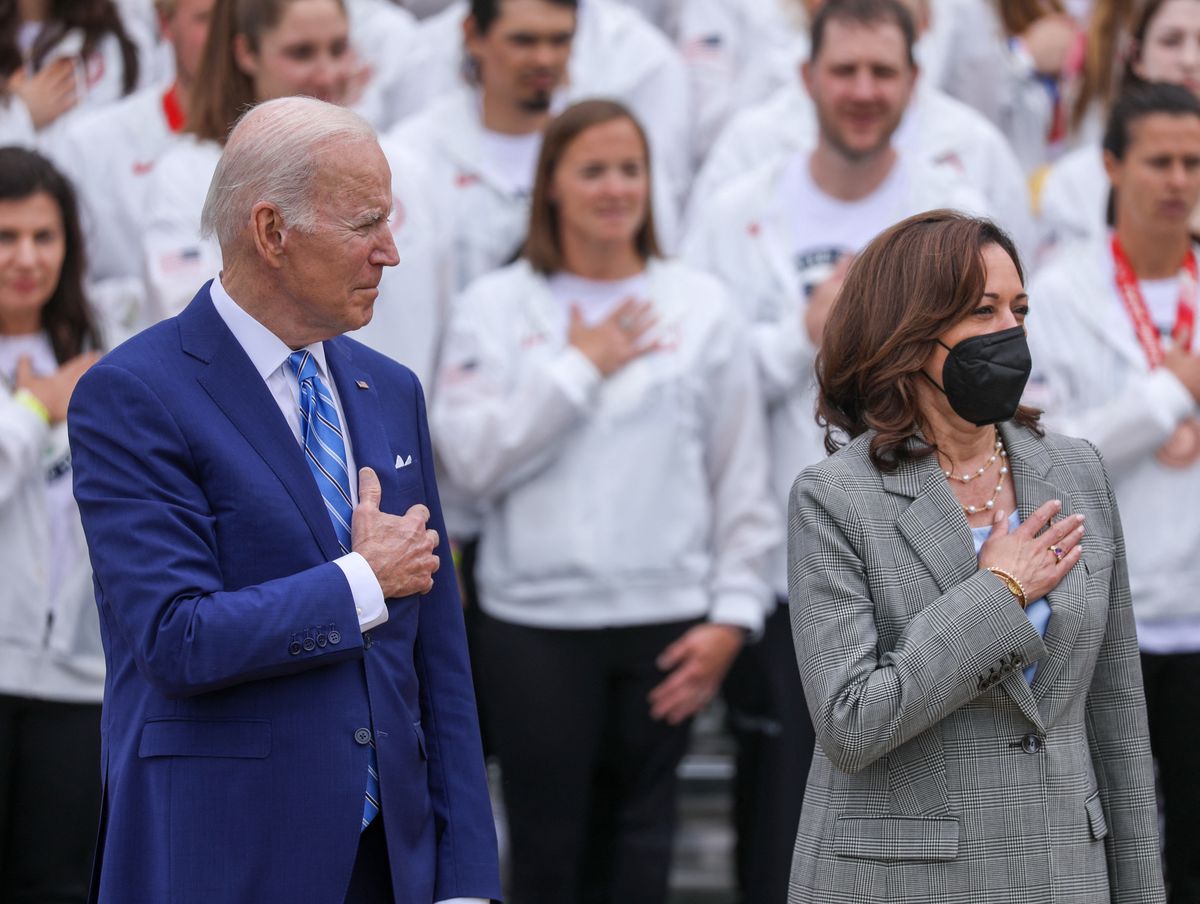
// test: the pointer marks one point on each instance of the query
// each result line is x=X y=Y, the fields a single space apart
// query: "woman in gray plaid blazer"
x=968 y=658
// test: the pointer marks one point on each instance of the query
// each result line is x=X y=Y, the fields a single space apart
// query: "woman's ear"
x=245 y=56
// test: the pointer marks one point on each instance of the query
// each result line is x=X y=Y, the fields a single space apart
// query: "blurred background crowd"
x=621 y=226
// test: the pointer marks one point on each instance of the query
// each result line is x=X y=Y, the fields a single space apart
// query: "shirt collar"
x=267 y=352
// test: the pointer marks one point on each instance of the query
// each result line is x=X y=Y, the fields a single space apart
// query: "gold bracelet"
x=1013 y=585
x=29 y=401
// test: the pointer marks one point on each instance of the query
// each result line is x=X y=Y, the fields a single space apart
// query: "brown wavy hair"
x=911 y=284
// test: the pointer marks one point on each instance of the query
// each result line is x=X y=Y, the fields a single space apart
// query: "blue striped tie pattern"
x=325 y=452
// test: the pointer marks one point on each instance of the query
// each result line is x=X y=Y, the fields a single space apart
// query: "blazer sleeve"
x=865 y=701
x=152 y=537
x=1118 y=735
x=467 y=858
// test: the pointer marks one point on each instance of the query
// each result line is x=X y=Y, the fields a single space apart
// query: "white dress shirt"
x=269 y=355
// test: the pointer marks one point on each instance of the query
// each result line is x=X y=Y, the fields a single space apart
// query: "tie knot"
x=303 y=365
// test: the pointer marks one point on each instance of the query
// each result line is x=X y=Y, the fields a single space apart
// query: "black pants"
x=49 y=799
x=770 y=721
x=1173 y=706
x=588 y=777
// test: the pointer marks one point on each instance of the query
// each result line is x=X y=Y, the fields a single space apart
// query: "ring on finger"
x=1058 y=553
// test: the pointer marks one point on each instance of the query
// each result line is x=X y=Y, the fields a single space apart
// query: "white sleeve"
x=22 y=433
x=16 y=125
x=369 y=604
x=496 y=425
x=711 y=35
x=743 y=531
x=177 y=260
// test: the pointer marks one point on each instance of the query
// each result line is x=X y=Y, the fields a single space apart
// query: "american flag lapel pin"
x=361 y=384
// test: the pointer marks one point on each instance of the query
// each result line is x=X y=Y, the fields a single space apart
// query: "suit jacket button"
x=1031 y=743
x=322 y=639
x=367 y=641
x=363 y=736
x=309 y=645
x=294 y=648
x=335 y=637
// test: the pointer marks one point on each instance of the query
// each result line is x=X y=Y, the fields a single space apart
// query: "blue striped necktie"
x=325 y=452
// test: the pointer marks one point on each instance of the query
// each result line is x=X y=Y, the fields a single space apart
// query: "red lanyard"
x=172 y=109
x=1135 y=304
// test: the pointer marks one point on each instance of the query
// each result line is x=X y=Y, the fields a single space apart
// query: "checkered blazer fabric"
x=940 y=774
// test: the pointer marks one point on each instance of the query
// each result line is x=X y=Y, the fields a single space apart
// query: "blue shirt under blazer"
x=234 y=760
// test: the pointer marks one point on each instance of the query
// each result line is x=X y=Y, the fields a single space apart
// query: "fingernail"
x=1079 y=517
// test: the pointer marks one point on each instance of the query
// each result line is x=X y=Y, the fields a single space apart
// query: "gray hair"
x=273 y=155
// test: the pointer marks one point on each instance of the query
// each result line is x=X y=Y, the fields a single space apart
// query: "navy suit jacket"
x=234 y=762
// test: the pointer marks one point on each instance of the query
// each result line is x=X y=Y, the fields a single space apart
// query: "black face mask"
x=984 y=376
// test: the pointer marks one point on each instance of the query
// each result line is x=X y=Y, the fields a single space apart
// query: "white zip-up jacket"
x=1073 y=201
x=745 y=239
x=636 y=499
x=387 y=38
x=1092 y=378
x=413 y=296
x=484 y=217
x=63 y=659
x=935 y=128
x=616 y=54
x=110 y=155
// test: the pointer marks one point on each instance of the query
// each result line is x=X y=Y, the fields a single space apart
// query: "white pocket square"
x=403 y=462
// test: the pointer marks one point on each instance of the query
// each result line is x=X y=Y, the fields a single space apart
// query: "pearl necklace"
x=967 y=478
x=991 y=503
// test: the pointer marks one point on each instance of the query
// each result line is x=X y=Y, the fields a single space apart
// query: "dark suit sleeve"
x=153 y=543
x=467 y=860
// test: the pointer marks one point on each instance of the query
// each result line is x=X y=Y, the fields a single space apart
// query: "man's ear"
x=270 y=234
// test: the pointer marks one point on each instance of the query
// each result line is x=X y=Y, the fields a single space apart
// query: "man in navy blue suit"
x=288 y=713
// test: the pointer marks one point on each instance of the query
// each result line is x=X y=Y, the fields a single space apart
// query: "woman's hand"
x=48 y=93
x=697 y=662
x=617 y=339
x=54 y=391
x=1029 y=556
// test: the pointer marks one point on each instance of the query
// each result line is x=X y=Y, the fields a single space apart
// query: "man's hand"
x=48 y=93
x=400 y=550
x=820 y=302
x=697 y=662
x=617 y=339
x=55 y=390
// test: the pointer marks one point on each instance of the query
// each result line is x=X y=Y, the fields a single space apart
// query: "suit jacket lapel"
x=238 y=390
x=364 y=412
x=937 y=530
x=1031 y=469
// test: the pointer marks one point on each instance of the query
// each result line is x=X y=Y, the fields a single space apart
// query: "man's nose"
x=385 y=253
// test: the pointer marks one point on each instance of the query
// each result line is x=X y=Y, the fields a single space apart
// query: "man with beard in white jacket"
x=481 y=144
x=1111 y=333
x=935 y=127
x=615 y=54
x=781 y=238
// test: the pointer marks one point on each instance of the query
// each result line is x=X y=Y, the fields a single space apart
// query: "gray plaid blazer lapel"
x=936 y=529
x=1031 y=468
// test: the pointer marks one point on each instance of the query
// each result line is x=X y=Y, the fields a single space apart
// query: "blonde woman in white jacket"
x=51 y=661
x=601 y=405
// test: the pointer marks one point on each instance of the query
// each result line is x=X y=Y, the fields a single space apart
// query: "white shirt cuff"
x=364 y=587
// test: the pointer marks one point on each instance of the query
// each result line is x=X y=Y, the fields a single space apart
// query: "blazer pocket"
x=896 y=838
x=1095 y=815
x=241 y=738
